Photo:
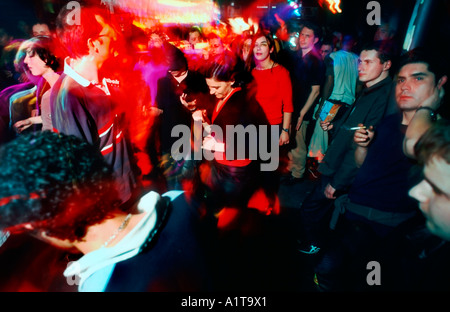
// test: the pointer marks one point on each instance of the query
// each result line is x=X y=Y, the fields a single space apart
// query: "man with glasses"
x=84 y=102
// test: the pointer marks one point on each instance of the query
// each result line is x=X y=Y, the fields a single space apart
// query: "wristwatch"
x=285 y=129
x=432 y=112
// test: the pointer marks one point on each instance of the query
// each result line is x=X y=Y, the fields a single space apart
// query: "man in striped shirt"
x=84 y=103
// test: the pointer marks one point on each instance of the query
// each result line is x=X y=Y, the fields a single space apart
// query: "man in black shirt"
x=307 y=75
x=338 y=168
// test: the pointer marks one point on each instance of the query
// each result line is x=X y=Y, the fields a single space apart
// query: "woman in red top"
x=274 y=93
x=273 y=85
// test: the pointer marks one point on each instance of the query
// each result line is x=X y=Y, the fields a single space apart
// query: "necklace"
x=264 y=68
x=121 y=227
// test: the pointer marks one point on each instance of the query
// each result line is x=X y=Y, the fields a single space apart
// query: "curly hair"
x=57 y=183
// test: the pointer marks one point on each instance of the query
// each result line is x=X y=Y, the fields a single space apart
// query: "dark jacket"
x=90 y=114
x=240 y=109
x=370 y=107
x=174 y=113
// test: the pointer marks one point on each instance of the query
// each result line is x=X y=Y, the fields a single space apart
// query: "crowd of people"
x=123 y=149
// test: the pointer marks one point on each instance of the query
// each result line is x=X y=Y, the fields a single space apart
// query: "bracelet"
x=432 y=112
x=285 y=129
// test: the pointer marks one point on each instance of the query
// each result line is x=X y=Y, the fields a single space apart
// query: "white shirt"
x=93 y=271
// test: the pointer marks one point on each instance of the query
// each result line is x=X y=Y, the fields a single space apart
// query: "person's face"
x=370 y=67
x=216 y=46
x=261 y=50
x=307 y=40
x=35 y=65
x=282 y=32
x=155 y=41
x=105 y=43
x=325 y=49
x=219 y=88
x=246 y=48
x=415 y=83
x=194 y=37
x=178 y=73
x=40 y=30
x=433 y=194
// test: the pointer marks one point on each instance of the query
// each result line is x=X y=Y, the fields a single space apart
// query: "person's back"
x=86 y=104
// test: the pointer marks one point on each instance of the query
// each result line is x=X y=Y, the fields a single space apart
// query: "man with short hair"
x=338 y=167
x=307 y=75
x=86 y=104
x=40 y=29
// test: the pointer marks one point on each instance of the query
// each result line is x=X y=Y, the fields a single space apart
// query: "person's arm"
x=328 y=85
x=288 y=106
x=315 y=91
x=284 y=136
x=421 y=121
x=26 y=123
x=362 y=138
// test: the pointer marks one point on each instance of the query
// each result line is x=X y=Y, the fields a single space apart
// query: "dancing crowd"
x=128 y=150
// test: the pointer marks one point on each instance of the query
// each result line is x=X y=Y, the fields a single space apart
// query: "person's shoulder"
x=281 y=69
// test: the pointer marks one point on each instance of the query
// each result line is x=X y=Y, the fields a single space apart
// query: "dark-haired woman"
x=42 y=62
x=274 y=94
x=231 y=178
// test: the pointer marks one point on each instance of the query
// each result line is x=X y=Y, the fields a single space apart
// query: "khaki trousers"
x=297 y=156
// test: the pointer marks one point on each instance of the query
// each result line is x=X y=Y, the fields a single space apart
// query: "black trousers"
x=315 y=214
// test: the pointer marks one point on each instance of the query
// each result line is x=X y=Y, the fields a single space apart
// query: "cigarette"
x=358 y=128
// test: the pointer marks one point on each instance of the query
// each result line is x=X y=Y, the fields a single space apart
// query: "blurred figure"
x=179 y=93
x=42 y=62
x=433 y=192
x=86 y=103
x=326 y=48
x=22 y=99
x=29 y=82
x=40 y=29
x=66 y=195
x=195 y=36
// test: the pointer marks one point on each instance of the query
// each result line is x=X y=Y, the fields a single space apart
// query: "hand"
x=434 y=100
x=299 y=123
x=154 y=111
x=326 y=126
x=329 y=191
x=22 y=125
x=192 y=106
x=363 y=137
x=284 y=138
